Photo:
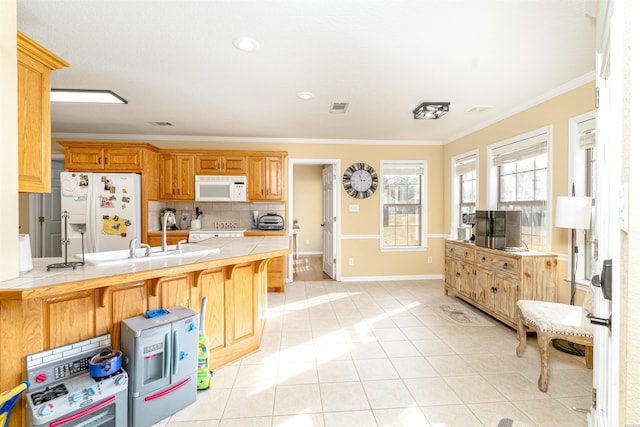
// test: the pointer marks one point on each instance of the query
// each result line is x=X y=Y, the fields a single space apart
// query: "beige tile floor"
x=383 y=354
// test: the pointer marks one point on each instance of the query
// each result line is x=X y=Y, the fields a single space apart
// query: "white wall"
x=9 y=139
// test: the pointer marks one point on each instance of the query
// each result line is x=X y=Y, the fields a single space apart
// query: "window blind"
x=402 y=169
x=587 y=134
x=466 y=165
x=520 y=150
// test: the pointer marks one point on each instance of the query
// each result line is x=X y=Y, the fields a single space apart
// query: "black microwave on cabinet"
x=498 y=229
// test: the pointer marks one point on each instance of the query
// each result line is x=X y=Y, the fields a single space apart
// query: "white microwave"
x=221 y=188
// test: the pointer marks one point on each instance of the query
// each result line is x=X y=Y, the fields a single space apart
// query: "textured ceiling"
x=174 y=62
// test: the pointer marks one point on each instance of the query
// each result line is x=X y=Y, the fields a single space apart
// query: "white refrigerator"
x=105 y=207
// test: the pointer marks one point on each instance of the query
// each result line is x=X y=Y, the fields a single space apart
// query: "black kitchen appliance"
x=64 y=393
x=271 y=221
x=498 y=229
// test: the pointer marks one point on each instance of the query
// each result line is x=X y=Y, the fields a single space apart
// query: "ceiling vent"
x=338 y=107
x=480 y=108
x=161 y=123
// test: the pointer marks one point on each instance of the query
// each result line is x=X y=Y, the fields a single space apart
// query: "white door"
x=609 y=121
x=328 y=221
x=45 y=222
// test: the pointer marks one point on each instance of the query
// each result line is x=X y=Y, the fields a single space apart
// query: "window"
x=582 y=161
x=521 y=177
x=403 y=204
x=465 y=187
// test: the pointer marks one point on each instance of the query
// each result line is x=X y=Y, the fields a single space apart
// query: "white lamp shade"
x=573 y=212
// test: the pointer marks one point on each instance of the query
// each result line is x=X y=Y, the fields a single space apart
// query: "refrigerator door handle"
x=91 y=225
x=167 y=357
x=176 y=348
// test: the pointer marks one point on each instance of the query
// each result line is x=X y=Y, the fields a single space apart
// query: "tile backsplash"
x=238 y=214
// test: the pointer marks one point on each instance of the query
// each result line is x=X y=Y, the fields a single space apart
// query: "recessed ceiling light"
x=161 y=123
x=246 y=44
x=305 y=96
x=86 y=96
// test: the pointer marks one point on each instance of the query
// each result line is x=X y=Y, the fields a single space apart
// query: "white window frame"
x=385 y=164
x=577 y=176
x=492 y=173
x=455 y=188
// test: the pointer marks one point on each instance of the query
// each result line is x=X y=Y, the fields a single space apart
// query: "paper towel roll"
x=24 y=255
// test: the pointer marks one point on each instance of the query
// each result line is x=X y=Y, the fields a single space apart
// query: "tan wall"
x=9 y=139
x=368 y=259
x=360 y=230
x=307 y=206
x=556 y=113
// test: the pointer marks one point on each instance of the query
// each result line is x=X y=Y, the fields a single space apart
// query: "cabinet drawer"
x=498 y=263
x=462 y=252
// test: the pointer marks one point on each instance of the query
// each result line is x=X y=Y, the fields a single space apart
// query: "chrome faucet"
x=180 y=243
x=147 y=248
x=167 y=215
x=132 y=248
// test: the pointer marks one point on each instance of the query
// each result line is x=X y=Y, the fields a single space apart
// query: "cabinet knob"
x=466 y=253
x=457 y=273
x=506 y=265
x=450 y=249
x=484 y=258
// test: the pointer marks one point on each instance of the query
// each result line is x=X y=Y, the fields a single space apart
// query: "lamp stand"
x=563 y=345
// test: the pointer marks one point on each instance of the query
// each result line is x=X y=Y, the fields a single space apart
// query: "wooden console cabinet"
x=494 y=280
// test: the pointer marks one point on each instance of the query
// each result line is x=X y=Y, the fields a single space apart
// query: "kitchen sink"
x=155 y=253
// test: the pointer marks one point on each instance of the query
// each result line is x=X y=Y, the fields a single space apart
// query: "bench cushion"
x=556 y=318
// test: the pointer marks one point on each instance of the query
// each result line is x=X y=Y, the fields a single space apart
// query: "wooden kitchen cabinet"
x=103 y=159
x=212 y=286
x=236 y=303
x=154 y=238
x=494 y=280
x=266 y=178
x=277 y=267
x=177 y=180
x=35 y=64
x=218 y=164
x=172 y=291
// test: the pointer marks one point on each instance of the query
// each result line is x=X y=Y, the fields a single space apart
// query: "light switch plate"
x=623 y=207
x=354 y=208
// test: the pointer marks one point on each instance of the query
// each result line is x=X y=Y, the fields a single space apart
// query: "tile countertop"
x=232 y=249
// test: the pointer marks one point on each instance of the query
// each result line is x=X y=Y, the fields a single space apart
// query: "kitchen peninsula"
x=44 y=309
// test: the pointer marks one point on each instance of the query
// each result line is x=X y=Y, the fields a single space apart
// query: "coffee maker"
x=171 y=220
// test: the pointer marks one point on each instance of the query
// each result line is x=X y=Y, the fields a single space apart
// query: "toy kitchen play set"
x=88 y=383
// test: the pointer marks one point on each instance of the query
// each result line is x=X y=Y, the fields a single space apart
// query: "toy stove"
x=63 y=392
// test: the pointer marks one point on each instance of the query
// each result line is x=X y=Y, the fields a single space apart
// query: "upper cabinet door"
x=177 y=180
x=216 y=164
x=266 y=178
x=84 y=159
x=34 y=115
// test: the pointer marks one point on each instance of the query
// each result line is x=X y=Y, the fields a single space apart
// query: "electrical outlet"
x=429 y=259
x=350 y=261
x=307 y=241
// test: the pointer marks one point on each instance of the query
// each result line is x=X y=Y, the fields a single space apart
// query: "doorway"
x=44 y=216
x=313 y=208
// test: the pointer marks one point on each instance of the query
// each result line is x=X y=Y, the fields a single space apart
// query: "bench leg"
x=522 y=335
x=543 y=347
x=588 y=356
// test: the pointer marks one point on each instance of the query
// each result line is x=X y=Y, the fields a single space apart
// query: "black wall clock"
x=360 y=180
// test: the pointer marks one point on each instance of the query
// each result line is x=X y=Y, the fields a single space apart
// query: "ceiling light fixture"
x=431 y=110
x=305 y=96
x=86 y=96
x=246 y=44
